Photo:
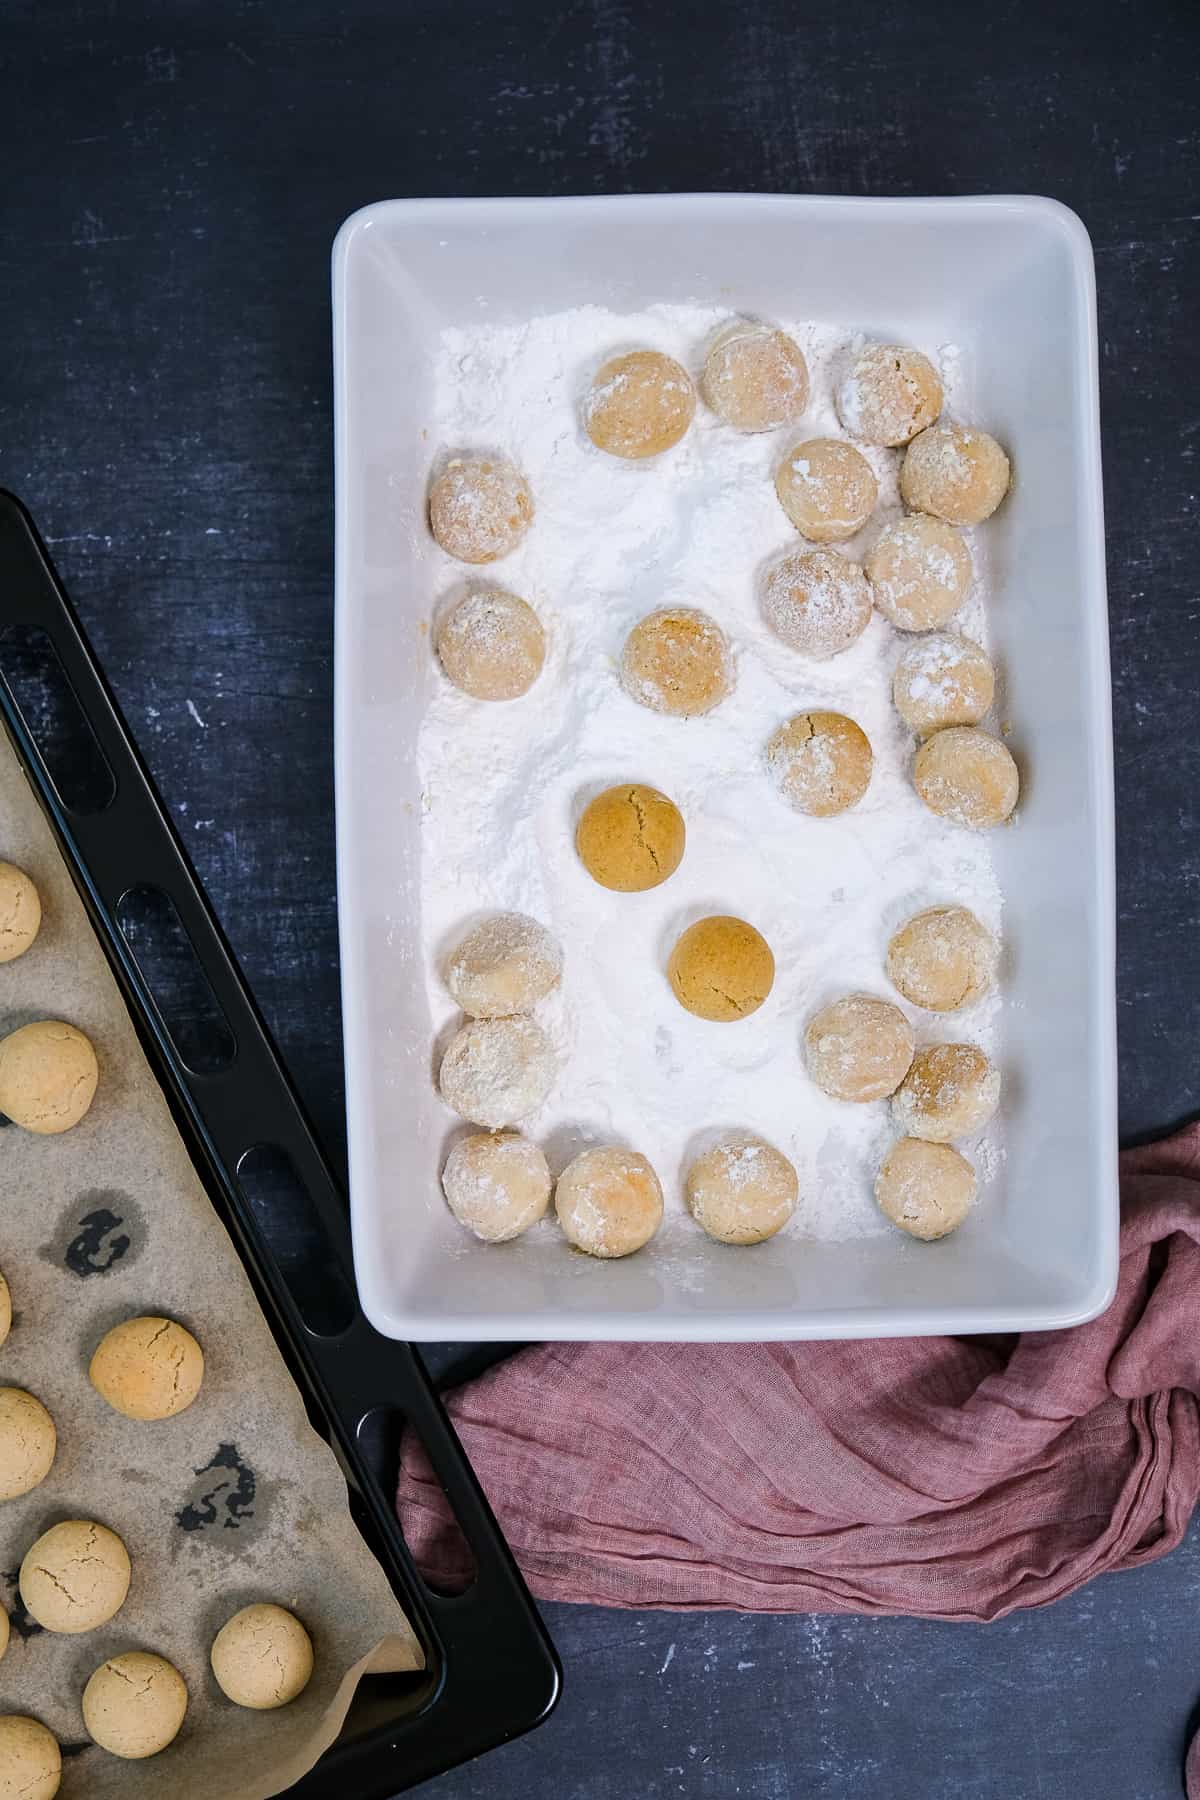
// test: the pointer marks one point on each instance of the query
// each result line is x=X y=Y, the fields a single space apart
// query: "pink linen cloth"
x=957 y=1478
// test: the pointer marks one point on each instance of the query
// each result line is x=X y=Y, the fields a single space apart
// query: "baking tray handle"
x=495 y=1673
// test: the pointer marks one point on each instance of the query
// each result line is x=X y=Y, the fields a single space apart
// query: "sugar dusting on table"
x=503 y=784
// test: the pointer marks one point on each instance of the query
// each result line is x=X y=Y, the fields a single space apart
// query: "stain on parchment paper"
x=96 y=1232
x=227 y=1502
x=18 y=1618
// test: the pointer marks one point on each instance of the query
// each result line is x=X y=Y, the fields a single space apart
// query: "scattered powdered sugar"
x=504 y=783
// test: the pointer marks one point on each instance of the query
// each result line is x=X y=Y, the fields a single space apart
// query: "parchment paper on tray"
x=236 y=1499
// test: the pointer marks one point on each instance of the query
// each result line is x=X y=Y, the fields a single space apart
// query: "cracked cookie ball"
x=133 y=1705
x=30 y=1759
x=639 y=405
x=721 y=969
x=609 y=1201
x=677 y=661
x=888 y=394
x=950 y=1091
x=48 y=1076
x=20 y=912
x=630 y=838
x=75 y=1577
x=827 y=488
x=755 y=378
x=480 y=507
x=919 y=571
x=820 y=762
x=955 y=473
x=262 y=1657
x=965 y=775
x=147 y=1368
x=943 y=958
x=27 y=1442
x=859 y=1049
x=925 y=1189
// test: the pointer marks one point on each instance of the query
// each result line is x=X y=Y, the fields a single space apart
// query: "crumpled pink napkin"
x=959 y=1478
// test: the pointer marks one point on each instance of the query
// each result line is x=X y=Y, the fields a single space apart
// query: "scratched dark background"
x=172 y=179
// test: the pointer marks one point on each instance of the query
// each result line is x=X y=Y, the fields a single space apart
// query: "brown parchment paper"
x=236 y=1499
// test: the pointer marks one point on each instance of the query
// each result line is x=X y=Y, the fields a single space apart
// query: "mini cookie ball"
x=75 y=1577
x=817 y=601
x=955 y=473
x=609 y=1201
x=147 y=1368
x=262 y=1657
x=505 y=966
x=48 y=1076
x=133 y=1705
x=495 y=1071
x=28 y=1441
x=30 y=1759
x=820 y=762
x=630 y=839
x=639 y=405
x=943 y=680
x=827 y=489
x=919 y=572
x=966 y=776
x=943 y=958
x=677 y=661
x=480 y=508
x=721 y=969
x=5 y=1310
x=20 y=912
x=860 y=1048
x=497 y=1186
x=742 y=1191
x=755 y=378
x=925 y=1189
x=951 y=1091
x=889 y=394
x=491 y=645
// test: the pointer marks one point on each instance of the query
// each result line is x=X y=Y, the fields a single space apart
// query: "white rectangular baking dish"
x=1010 y=281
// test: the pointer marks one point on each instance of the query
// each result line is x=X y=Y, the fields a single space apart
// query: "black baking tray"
x=491 y=1671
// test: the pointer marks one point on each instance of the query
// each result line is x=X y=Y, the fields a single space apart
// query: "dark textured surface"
x=173 y=178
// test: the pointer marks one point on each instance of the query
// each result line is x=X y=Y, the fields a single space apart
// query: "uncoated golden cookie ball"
x=491 y=645
x=147 y=1368
x=859 y=1049
x=820 y=762
x=919 y=571
x=677 y=660
x=5 y=1310
x=504 y=966
x=630 y=838
x=956 y=473
x=827 y=489
x=20 y=912
x=134 y=1704
x=496 y=1071
x=75 y=1577
x=721 y=969
x=639 y=405
x=742 y=1190
x=818 y=601
x=497 y=1184
x=48 y=1076
x=943 y=958
x=480 y=508
x=27 y=1442
x=755 y=377
x=967 y=776
x=609 y=1201
x=888 y=394
x=950 y=1091
x=925 y=1189
x=30 y=1759
x=941 y=680
x=262 y=1657
x=4 y=1632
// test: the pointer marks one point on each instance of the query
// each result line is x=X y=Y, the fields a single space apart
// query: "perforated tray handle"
x=497 y=1674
